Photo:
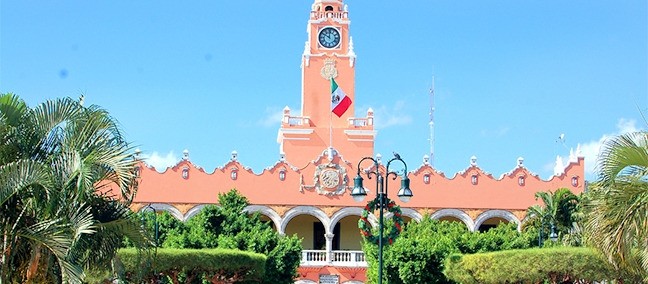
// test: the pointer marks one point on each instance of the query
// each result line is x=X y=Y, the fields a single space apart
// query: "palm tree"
x=558 y=209
x=58 y=163
x=617 y=211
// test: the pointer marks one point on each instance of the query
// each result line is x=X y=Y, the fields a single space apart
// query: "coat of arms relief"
x=329 y=71
x=329 y=179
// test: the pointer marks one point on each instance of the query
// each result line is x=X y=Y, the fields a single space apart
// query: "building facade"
x=307 y=191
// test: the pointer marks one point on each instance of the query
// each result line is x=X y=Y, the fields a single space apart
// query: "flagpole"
x=331 y=119
x=330 y=129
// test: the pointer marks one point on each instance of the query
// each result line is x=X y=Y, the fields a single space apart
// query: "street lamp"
x=404 y=194
x=553 y=236
x=155 y=222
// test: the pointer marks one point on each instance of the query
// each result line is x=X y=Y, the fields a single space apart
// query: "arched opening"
x=310 y=229
x=267 y=220
x=328 y=8
x=349 y=235
x=492 y=223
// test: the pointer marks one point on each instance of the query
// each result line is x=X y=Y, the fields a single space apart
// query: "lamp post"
x=553 y=236
x=155 y=222
x=359 y=193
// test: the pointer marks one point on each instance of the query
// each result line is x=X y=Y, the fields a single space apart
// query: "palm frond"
x=19 y=175
x=623 y=156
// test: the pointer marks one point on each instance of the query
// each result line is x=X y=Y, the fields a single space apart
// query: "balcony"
x=338 y=258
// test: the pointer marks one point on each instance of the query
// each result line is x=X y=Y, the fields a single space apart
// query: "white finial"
x=379 y=158
x=138 y=152
x=346 y=8
x=185 y=154
x=330 y=153
x=426 y=159
x=81 y=99
x=559 y=167
x=306 y=48
x=282 y=157
x=307 y=53
x=234 y=155
x=520 y=161
x=473 y=161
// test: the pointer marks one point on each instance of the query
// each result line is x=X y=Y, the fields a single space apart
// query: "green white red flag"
x=340 y=102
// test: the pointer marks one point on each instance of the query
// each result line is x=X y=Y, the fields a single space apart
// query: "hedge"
x=558 y=265
x=214 y=265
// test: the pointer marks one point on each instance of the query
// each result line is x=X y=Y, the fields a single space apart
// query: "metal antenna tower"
x=432 y=123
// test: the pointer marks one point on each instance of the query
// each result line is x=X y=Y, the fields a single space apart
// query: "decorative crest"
x=329 y=71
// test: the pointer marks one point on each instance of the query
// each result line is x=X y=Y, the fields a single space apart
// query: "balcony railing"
x=342 y=258
x=329 y=14
x=296 y=120
x=361 y=122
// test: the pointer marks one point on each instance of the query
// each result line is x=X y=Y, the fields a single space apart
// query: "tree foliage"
x=225 y=226
x=560 y=209
x=617 y=207
x=418 y=254
x=57 y=164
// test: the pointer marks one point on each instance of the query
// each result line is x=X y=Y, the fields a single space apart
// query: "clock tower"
x=328 y=54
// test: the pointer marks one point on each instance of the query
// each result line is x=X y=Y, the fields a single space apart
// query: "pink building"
x=307 y=191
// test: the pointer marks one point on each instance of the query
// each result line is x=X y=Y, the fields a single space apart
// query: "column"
x=329 y=247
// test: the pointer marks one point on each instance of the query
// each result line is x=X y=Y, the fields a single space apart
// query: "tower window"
x=328 y=8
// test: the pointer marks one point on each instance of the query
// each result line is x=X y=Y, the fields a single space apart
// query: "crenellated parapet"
x=326 y=182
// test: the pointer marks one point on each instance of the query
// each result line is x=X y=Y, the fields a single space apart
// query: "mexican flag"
x=340 y=102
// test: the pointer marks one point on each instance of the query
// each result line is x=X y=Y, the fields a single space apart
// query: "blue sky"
x=213 y=76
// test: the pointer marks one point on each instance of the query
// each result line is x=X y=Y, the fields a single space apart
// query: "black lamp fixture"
x=553 y=236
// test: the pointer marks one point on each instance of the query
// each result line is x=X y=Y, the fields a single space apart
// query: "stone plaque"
x=329 y=279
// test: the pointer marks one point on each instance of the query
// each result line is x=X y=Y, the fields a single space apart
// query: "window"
x=328 y=8
x=185 y=172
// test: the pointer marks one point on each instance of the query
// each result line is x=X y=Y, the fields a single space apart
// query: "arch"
x=266 y=211
x=305 y=281
x=194 y=211
x=304 y=210
x=350 y=211
x=497 y=213
x=415 y=215
x=165 y=207
x=459 y=214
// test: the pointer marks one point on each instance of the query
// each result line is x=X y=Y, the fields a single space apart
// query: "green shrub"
x=559 y=265
x=223 y=265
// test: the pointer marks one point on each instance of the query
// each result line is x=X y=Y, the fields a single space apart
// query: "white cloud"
x=497 y=133
x=395 y=115
x=590 y=150
x=271 y=118
x=159 y=162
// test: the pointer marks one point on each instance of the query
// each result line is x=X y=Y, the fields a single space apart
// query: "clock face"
x=329 y=37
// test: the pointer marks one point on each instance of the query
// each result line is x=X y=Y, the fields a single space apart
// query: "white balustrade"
x=340 y=258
